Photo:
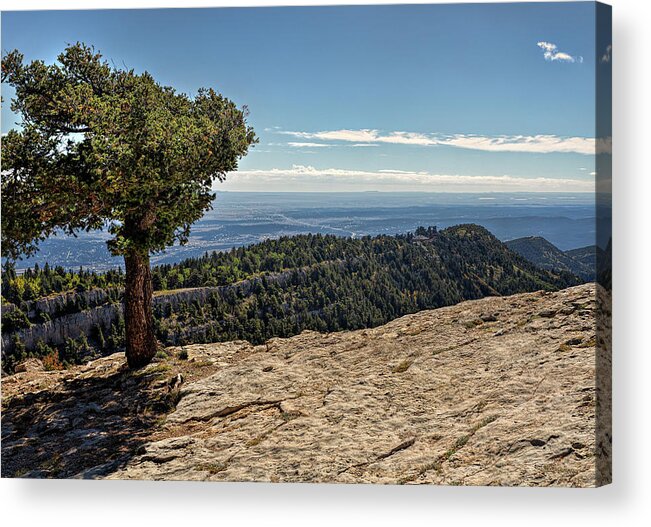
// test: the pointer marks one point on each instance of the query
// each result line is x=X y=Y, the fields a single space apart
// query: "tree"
x=103 y=147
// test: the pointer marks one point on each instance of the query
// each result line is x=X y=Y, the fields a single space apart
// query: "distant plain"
x=568 y=220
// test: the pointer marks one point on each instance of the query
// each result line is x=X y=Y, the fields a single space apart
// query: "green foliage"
x=14 y=320
x=76 y=350
x=46 y=280
x=106 y=147
x=101 y=146
x=327 y=283
x=99 y=337
x=116 y=337
x=547 y=256
x=9 y=361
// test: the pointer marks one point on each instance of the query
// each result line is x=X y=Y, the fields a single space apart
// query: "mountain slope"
x=547 y=256
x=497 y=391
x=587 y=256
x=323 y=283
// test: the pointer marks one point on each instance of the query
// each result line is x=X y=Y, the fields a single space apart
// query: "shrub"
x=51 y=362
x=13 y=320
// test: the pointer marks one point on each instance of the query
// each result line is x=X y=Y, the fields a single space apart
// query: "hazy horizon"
x=568 y=220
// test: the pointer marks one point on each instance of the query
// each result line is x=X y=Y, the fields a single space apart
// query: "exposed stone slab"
x=498 y=391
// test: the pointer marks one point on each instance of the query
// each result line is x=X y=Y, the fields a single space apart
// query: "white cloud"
x=541 y=144
x=551 y=53
x=356 y=136
x=392 y=171
x=307 y=145
x=306 y=177
x=562 y=56
x=607 y=56
x=548 y=47
x=301 y=144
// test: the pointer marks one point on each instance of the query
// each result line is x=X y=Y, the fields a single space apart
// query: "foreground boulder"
x=30 y=365
x=498 y=391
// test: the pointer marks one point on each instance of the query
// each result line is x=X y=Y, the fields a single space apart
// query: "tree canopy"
x=106 y=147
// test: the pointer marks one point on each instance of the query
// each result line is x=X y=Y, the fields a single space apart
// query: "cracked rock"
x=469 y=409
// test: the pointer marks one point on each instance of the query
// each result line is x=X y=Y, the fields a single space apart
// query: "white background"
x=68 y=503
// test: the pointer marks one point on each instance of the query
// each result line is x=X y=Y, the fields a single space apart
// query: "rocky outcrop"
x=55 y=332
x=30 y=365
x=73 y=314
x=498 y=391
x=57 y=305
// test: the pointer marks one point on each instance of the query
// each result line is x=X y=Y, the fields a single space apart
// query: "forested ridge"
x=540 y=252
x=329 y=283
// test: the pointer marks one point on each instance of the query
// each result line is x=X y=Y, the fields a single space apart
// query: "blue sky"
x=427 y=98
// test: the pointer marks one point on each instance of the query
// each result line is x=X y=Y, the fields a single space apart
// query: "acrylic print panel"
x=308 y=244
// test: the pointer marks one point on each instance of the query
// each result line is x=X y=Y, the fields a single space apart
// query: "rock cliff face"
x=60 y=304
x=498 y=391
x=55 y=332
x=75 y=314
x=58 y=317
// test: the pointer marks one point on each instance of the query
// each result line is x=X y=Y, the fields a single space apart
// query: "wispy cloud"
x=302 y=177
x=607 y=56
x=541 y=144
x=552 y=53
x=301 y=144
x=307 y=145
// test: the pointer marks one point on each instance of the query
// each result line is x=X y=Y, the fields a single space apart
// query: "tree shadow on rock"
x=85 y=426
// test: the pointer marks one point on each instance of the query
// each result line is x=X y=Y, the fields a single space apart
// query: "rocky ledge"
x=498 y=391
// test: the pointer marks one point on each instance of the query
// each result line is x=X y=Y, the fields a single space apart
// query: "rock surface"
x=498 y=391
x=30 y=365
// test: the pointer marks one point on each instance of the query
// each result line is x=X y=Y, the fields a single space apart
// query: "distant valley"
x=238 y=219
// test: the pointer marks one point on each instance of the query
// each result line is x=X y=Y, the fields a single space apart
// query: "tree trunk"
x=138 y=318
